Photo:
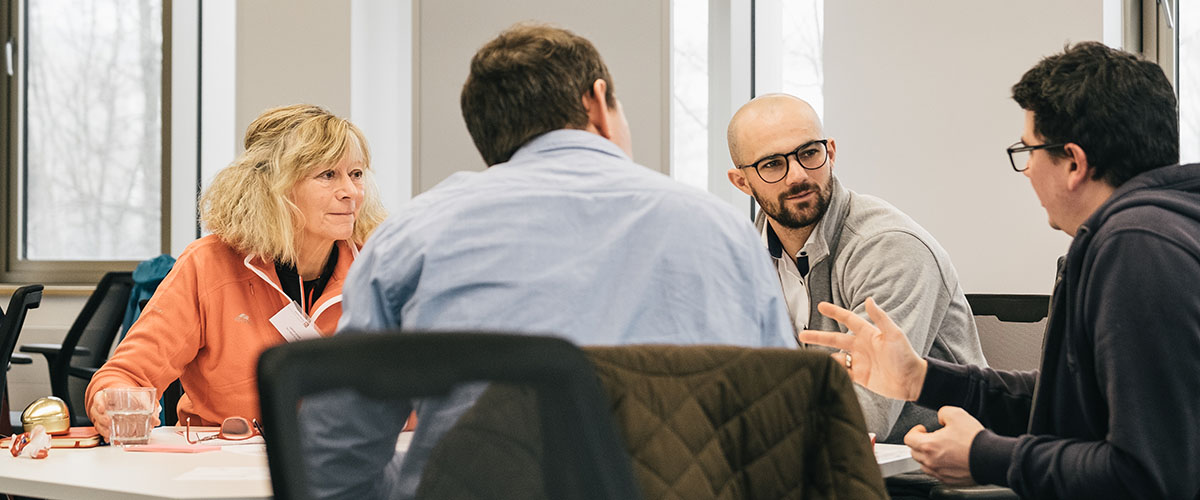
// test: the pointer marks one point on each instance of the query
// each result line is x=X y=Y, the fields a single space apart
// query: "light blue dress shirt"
x=568 y=238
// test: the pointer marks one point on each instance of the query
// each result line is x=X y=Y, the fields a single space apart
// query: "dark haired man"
x=1113 y=411
x=563 y=234
x=829 y=243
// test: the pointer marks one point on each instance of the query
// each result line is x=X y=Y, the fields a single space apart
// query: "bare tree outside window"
x=92 y=130
x=789 y=35
x=689 y=92
x=1189 y=82
x=803 y=38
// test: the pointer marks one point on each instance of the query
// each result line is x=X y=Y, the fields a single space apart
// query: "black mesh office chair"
x=23 y=299
x=16 y=358
x=1011 y=328
x=588 y=461
x=87 y=343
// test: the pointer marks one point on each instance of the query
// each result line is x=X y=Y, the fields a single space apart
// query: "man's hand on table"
x=944 y=453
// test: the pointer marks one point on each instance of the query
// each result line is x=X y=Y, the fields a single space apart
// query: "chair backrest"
x=147 y=276
x=170 y=403
x=98 y=324
x=23 y=299
x=700 y=422
x=1011 y=328
x=578 y=432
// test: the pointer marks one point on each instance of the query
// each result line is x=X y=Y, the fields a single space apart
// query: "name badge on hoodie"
x=293 y=324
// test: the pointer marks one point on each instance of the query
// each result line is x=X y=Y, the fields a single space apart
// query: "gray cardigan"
x=875 y=250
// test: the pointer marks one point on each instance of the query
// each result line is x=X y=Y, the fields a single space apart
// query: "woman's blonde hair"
x=248 y=204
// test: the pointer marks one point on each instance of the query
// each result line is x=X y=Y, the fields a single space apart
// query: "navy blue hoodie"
x=1114 y=411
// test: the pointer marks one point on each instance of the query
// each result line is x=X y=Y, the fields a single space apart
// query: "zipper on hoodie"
x=330 y=301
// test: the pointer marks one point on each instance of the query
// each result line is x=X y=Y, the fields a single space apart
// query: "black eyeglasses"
x=1019 y=153
x=810 y=155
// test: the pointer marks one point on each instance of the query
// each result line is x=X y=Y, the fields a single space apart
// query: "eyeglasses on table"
x=231 y=429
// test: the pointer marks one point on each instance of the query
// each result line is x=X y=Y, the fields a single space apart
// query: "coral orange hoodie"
x=207 y=324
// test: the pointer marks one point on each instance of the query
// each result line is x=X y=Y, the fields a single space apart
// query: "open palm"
x=881 y=358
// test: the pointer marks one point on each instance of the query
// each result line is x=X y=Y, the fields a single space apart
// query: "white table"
x=895 y=459
x=233 y=472
x=109 y=472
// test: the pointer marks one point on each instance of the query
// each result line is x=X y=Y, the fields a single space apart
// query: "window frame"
x=14 y=269
x=1147 y=33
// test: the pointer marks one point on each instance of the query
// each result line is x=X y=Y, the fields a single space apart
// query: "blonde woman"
x=287 y=219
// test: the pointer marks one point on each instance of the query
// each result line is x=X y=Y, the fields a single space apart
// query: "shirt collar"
x=568 y=139
x=773 y=244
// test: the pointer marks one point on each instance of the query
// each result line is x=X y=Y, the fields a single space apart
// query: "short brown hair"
x=1118 y=107
x=248 y=204
x=527 y=81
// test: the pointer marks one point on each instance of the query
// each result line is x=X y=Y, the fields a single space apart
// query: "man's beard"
x=803 y=215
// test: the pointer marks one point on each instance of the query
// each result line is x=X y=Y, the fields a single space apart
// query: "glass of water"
x=132 y=411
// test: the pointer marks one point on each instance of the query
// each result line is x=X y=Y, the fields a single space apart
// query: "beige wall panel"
x=631 y=35
x=291 y=51
x=917 y=95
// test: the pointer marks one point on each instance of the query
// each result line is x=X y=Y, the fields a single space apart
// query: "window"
x=84 y=161
x=1169 y=32
x=689 y=92
x=788 y=45
x=1188 y=82
x=712 y=76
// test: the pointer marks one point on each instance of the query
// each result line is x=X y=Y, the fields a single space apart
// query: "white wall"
x=220 y=138
x=353 y=58
x=631 y=35
x=185 y=85
x=728 y=89
x=381 y=91
x=917 y=95
x=294 y=51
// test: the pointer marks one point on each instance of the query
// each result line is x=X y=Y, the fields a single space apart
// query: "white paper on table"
x=225 y=474
x=249 y=451
x=891 y=453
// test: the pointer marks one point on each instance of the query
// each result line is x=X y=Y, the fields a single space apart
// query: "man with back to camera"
x=1113 y=411
x=831 y=244
x=563 y=234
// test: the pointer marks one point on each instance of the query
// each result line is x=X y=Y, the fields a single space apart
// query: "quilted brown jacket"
x=699 y=422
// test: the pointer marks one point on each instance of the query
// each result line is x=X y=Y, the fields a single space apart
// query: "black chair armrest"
x=972 y=493
x=50 y=351
x=53 y=349
x=82 y=372
x=20 y=359
x=41 y=348
x=921 y=485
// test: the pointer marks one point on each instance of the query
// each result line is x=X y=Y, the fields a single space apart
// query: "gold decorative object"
x=49 y=412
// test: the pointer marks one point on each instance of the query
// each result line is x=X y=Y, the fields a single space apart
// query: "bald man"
x=832 y=244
